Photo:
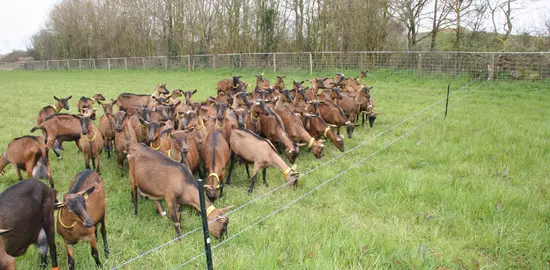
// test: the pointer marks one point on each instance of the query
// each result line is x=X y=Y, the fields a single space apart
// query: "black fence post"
x=447 y=103
x=207 y=249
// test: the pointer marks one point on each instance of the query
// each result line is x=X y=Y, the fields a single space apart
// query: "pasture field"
x=469 y=191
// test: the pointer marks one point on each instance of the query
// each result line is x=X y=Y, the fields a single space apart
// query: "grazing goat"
x=296 y=131
x=88 y=103
x=59 y=128
x=26 y=217
x=28 y=153
x=80 y=212
x=251 y=148
x=159 y=177
x=128 y=100
x=318 y=128
x=215 y=155
x=324 y=83
x=62 y=103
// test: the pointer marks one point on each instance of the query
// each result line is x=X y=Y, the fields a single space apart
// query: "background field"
x=470 y=191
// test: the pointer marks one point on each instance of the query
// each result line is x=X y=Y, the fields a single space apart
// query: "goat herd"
x=166 y=141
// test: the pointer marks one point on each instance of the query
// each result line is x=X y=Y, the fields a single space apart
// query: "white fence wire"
x=490 y=65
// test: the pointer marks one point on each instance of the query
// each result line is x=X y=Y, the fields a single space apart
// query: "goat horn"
x=4 y=230
x=331 y=125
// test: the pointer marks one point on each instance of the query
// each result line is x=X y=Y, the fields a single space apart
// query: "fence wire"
x=486 y=65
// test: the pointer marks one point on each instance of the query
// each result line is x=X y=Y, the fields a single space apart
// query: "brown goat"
x=367 y=109
x=351 y=103
x=194 y=124
x=88 y=103
x=28 y=153
x=61 y=103
x=251 y=148
x=273 y=129
x=107 y=126
x=159 y=177
x=127 y=100
x=261 y=82
x=59 y=128
x=189 y=95
x=280 y=83
x=124 y=135
x=333 y=114
x=327 y=83
x=26 y=217
x=318 y=128
x=362 y=74
x=296 y=131
x=215 y=155
x=92 y=145
x=78 y=216
x=233 y=85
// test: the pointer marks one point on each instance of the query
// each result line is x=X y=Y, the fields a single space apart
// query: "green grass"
x=438 y=198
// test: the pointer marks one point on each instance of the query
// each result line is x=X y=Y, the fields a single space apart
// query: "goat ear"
x=58 y=205
x=87 y=192
x=194 y=91
x=54 y=97
x=143 y=122
x=225 y=209
x=177 y=103
x=302 y=82
x=69 y=97
x=99 y=102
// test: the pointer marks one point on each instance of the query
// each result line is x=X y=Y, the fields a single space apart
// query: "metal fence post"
x=143 y=62
x=214 y=62
x=48 y=64
x=310 y=63
x=79 y=64
x=68 y=65
x=240 y=60
x=93 y=61
x=125 y=64
x=166 y=63
x=109 y=63
x=189 y=63
x=274 y=63
x=206 y=234
x=419 y=67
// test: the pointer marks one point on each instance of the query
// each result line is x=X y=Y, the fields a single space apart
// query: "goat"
x=272 y=128
x=324 y=83
x=261 y=82
x=84 y=207
x=296 y=131
x=215 y=154
x=159 y=177
x=88 y=103
x=317 y=127
x=107 y=126
x=251 y=148
x=30 y=154
x=26 y=217
x=124 y=135
x=127 y=100
x=233 y=85
x=62 y=103
x=59 y=128
x=92 y=145
x=333 y=114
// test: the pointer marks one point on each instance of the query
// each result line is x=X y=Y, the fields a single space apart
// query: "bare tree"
x=411 y=13
x=440 y=18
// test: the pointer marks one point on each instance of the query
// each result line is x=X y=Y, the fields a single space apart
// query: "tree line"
x=124 y=28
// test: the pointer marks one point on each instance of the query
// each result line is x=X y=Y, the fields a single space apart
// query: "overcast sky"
x=20 y=19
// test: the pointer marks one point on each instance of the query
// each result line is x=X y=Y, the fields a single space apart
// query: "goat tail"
x=42 y=128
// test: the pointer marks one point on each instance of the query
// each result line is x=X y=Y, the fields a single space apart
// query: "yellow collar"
x=287 y=171
x=93 y=138
x=326 y=130
x=252 y=118
x=235 y=87
x=201 y=125
x=210 y=209
x=170 y=156
x=93 y=99
x=54 y=107
x=61 y=222
x=158 y=147
x=310 y=142
x=221 y=127
x=217 y=178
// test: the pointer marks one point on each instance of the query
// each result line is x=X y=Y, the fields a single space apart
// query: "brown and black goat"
x=59 y=128
x=81 y=212
x=318 y=128
x=297 y=133
x=124 y=135
x=88 y=103
x=91 y=143
x=324 y=83
x=107 y=126
x=28 y=153
x=233 y=85
x=333 y=114
x=160 y=178
x=215 y=155
x=127 y=100
x=61 y=103
x=26 y=217
x=272 y=128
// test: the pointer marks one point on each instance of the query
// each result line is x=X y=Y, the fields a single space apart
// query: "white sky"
x=20 y=19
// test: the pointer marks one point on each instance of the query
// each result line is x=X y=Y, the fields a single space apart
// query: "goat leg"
x=70 y=255
x=18 y=170
x=251 y=188
x=104 y=236
x=95 y=253
x=247 y=171
x=265 y=175
x=231 y=168
x=42 y=243
x=87 y=162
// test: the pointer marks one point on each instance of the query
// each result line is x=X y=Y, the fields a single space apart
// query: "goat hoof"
x=59 y=158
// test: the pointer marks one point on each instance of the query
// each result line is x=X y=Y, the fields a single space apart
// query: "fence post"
x=166 y=63
x=419 y=68
x=143 y=62
x=447 y=103
x=125 y=64
x=57 y=62
x=109 y=63
x=240 y=60
x=310 y=63
x=189 y=63
x=68 y=65
x=492 y=68
x=207 y=249
x=48 y=64
x=214 y=62
x=274 y=63
x=93 y=61
x=79 y=64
